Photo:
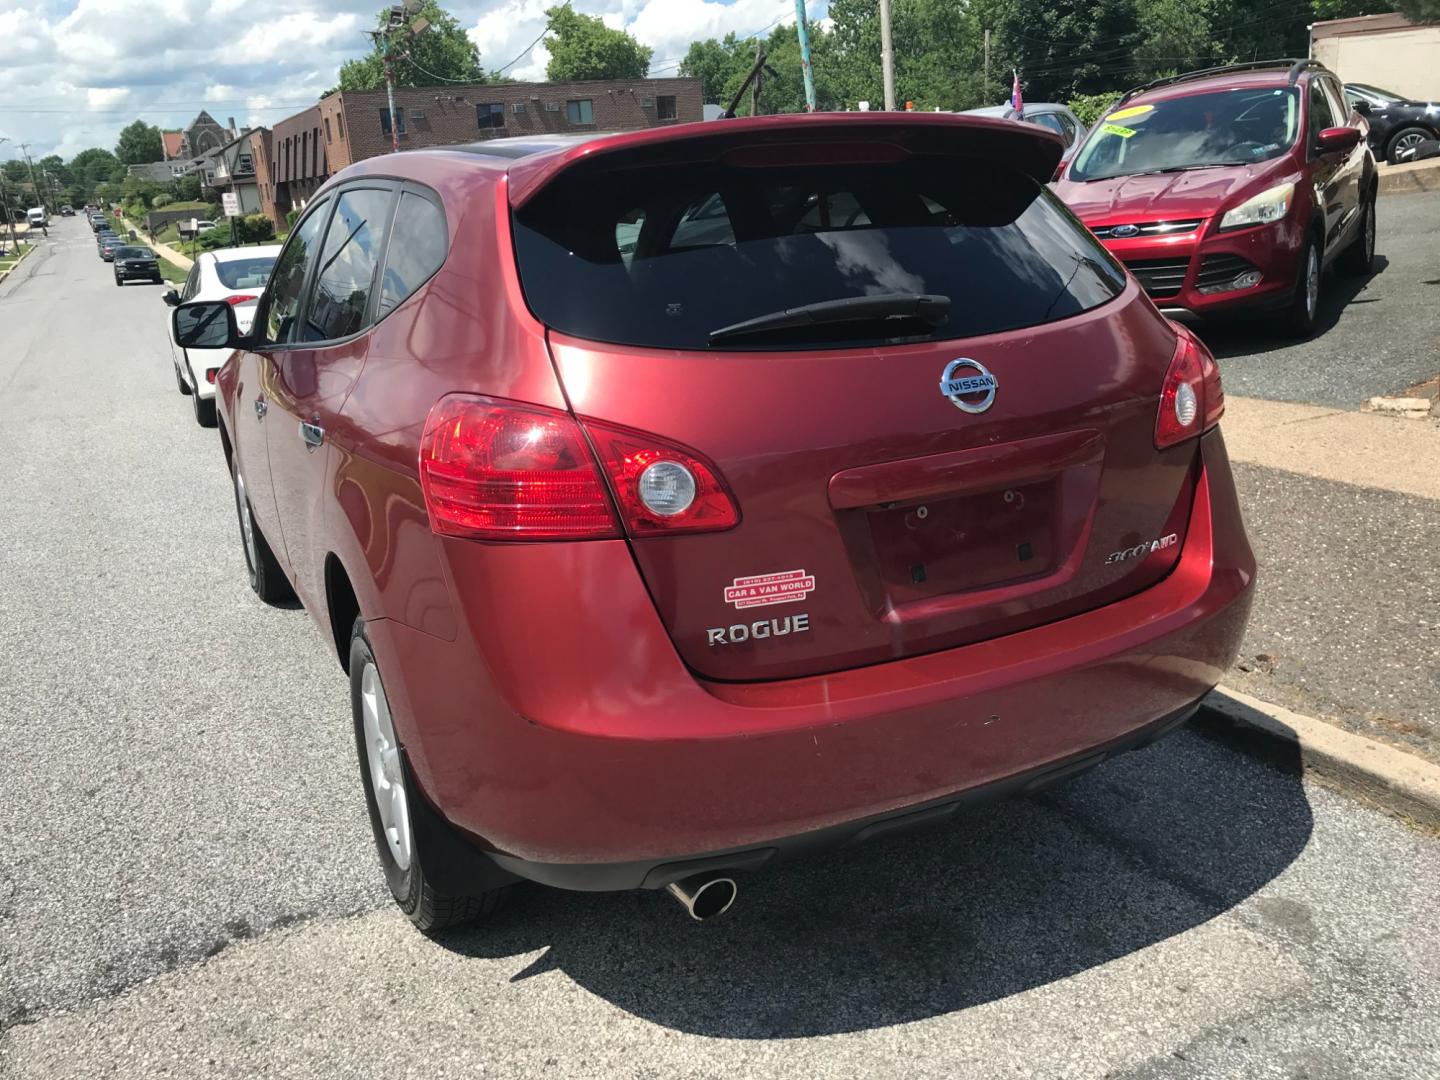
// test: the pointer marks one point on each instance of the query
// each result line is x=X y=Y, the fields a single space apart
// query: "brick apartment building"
x=294 y=159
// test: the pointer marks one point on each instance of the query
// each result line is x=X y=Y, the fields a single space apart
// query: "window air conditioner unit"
x=647 y=103
x=552 y=106
x=518 y=107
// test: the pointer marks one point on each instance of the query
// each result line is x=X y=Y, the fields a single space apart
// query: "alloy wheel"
x=1405 y=142
x=1312 y=282
x=382 y=758
x=247 y=526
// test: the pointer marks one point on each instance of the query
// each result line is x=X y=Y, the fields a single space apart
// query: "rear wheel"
x=1359 y=258
x=1404 y=139
x=392 y=803
x=1305 y=305
x=266 y=576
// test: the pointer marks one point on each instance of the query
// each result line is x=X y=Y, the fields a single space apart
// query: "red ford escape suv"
x=686 y=499
x=1232 y=188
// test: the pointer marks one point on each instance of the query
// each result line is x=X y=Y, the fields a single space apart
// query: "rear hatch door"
x=905 y=484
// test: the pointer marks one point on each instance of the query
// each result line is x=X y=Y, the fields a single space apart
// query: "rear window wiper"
x=927 y=307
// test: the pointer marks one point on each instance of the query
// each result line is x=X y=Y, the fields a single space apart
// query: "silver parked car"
x=1048 y=114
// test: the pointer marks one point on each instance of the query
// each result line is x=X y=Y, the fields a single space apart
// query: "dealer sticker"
x=760 y=590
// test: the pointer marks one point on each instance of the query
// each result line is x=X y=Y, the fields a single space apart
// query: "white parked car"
x=237 y=275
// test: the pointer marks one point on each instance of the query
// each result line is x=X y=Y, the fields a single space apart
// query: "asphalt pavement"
x=1377 y=335
x=188 y=887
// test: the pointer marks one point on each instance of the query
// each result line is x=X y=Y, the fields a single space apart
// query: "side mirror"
x=171 y=297
x=1337 y=140
x=206 y=324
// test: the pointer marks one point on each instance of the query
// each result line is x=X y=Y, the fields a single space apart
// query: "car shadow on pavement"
x=1249 y=335
x=1008 y=898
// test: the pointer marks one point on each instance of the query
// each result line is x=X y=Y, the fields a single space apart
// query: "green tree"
x=443 y=53
x=583 y=47
x=15 y=171
x=140 y=143
x=186 y=188
x=716 y=63
x=1420 y=11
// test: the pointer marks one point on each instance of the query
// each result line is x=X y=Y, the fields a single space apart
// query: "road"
x=188 y=886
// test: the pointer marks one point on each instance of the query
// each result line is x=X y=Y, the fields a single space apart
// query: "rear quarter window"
x=663 y=257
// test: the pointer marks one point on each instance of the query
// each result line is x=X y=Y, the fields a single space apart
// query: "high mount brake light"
x=1192 y=398
x=240 y=298
x=501 y=470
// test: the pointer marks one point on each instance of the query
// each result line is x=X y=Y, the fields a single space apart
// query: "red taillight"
x=662 y=487
x=240 y=298
x=1191 y=398
x=210 y=373
x=498 y=470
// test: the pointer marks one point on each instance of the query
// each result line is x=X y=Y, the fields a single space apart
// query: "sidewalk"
x=165 y=251
x=1414 y=176
x=1343 y=509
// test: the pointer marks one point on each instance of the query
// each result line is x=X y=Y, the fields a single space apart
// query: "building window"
x=385 y=121
x=665 y=107
x=417 y=114
x=246 y=164
x=339 y=126
x=580 y=112
x=489 y=116
x=518 y=108
x=327 y=129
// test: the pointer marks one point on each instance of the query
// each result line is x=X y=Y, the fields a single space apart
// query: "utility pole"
x=396 y=22
x=25 y=149
x=804 y=33
x=985 y=86
x=759 y=76
x=887 y=56
x=729 y=113
x=5 y=207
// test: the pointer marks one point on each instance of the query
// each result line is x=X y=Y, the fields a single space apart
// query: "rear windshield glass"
x=135 y=253
x=665 y=257
x=245 y=273
x=1229 y=127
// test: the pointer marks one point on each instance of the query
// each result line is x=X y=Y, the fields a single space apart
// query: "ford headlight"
x=1262 y=209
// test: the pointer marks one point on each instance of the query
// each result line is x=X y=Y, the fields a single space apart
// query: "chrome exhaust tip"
x=705 y=895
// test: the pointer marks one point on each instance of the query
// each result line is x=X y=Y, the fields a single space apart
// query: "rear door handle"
x=311 y=434
x=260 y=408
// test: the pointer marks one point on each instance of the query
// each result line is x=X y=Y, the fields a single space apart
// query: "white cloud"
x=74 y=72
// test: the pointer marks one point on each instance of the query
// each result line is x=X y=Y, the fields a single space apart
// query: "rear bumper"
x=1273 y=250
x=561 y=731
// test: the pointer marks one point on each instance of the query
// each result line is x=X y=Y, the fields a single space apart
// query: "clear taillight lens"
x=1192 y=399
x=499 y=470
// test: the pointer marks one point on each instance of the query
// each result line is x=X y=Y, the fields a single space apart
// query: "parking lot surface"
x=189 y=888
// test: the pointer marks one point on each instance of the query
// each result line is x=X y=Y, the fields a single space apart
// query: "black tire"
x=266 y=576
x=204 y=410
x=119 y=280
x=1358 y=260
x=428 y=908
x=1407 y=134
x=1304 y=310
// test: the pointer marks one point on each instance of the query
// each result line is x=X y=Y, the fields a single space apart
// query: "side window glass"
x=1067 y=127
x=1320 y=116
x=417 y=249
x=192 y=283
x=1049 y=120
x=288 y=277
x=1339 y=107
x=347 y=265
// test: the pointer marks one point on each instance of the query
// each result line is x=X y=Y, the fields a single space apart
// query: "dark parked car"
x=892 y=495
x=108 y=246
x=134 y=263
x=1233 y=188
x=1396 y=123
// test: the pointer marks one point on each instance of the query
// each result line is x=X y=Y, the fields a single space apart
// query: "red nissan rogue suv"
x=682 y=500
x=1233 y=188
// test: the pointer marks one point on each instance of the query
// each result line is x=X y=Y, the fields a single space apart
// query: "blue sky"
x=72 y=74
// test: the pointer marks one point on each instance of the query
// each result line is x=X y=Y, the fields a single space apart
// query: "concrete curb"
x=5 y=274
x=1399 y=782
x=1420 y=176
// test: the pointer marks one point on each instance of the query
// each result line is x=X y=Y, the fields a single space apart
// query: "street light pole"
x=887 y=56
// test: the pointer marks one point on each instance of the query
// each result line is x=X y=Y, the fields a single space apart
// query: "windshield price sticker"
x=1131 y=113
x=1116 y=129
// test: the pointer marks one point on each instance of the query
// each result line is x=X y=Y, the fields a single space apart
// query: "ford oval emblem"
x=1124 y=232
x=968 y=385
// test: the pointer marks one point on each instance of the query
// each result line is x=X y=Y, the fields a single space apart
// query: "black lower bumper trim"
x=657 y=873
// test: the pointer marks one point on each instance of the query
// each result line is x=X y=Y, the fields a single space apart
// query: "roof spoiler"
x=817 y=138
x=1295 y=68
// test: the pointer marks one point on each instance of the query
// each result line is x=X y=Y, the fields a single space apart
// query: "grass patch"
x=172 y=273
